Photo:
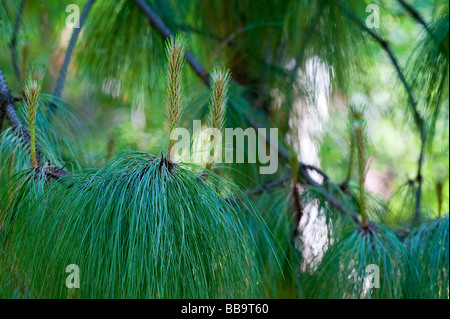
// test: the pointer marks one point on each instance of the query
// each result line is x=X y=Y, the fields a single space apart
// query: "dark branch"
x=331 y=199
x=70 y=48
x=159 y=25
x=265 y=187
x=415 y=14
x=386 y=47
x=317 y=170
x=51 y=172
x=419 y=174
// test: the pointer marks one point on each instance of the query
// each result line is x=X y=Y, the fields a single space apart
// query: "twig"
x=166 y=32
x=417 y=117
x=415 y=15
x=54 y=173
x=70 y=48
x=261 y=188
x=317 y=170
x=265 y=187
x=14 y=42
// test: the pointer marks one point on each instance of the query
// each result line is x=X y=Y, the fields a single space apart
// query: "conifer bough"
x=140 y=226
x=162 y=28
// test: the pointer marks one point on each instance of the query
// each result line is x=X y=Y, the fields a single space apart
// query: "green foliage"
x=14 y=157
x=143 y=226
x=137 y=228
x=429 y=71
x=275 y=209
x=61 y=136
x=428 y=247
x=343 y=270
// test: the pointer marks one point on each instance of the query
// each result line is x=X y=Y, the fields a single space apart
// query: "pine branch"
x=239 y=46
x=14 y=41
x=318 y=171
x=412 y=102
x=8 y=109
x=156 y=21
x=70 y=48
